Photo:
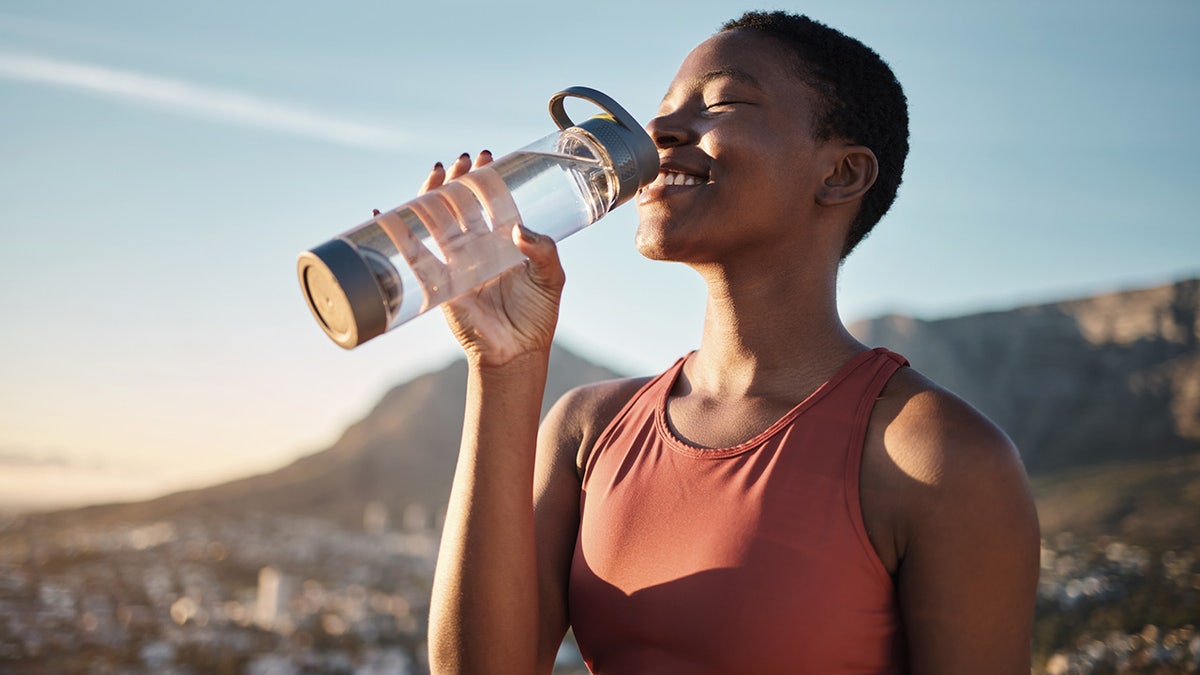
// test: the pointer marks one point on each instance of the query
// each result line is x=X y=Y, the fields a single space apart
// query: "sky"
x=163 y=164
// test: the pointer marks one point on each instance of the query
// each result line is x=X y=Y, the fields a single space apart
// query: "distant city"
x=1091 y=591
x=265 y=595
x=280 y=595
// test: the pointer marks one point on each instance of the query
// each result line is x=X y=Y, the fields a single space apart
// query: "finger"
x=429 y=270
x=491 y=190
x=544 y=265
x=484 y=158
x=459 y=167
x=436 y=177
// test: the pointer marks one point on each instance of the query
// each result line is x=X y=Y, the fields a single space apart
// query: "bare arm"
x=500 y=589
x=966 y=532
x=484 y=614
x=566 y=436
x=556 y=521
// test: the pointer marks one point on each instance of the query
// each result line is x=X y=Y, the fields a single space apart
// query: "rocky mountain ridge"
x=1113 y=378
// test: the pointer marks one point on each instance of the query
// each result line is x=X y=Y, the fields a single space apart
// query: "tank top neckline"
x=685 y=448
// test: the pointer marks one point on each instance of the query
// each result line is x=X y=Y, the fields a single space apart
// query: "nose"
x=670 y=130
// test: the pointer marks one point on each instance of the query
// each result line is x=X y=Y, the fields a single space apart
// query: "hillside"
x=1112 y=379
x=400 y=454
x=1153 y=503
x=1102 y=395
x=1109 y=378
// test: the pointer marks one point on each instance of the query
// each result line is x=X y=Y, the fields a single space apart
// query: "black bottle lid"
x=342 y=293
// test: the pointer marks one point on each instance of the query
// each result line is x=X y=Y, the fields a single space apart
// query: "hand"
x=516 y=313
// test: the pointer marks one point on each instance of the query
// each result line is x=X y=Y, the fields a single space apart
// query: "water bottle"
x=450 y=240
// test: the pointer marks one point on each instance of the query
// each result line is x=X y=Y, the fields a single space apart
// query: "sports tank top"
x=748 y=559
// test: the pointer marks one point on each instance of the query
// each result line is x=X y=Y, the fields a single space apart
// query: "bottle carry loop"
x=631 y=150
x=559 y=113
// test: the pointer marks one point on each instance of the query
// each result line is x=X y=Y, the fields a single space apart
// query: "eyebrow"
x=721 y=73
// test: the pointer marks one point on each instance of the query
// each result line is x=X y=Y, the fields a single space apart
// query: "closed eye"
x=722 y=104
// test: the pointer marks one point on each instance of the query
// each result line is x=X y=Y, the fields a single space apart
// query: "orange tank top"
x=749 y=559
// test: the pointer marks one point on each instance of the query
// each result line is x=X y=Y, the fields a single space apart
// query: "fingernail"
x=438 y=166
x=465 y=155
x=486 y=152
x=374 y=212
x=526 y=233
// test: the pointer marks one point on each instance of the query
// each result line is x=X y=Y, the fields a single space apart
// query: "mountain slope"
x=1102 y=395
x=402 y=453
x=1108 y=378
x=1090 y=382
x=1148 y=502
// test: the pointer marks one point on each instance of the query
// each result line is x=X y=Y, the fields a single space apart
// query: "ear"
x=852 y=173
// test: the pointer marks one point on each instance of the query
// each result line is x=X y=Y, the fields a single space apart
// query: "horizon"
x=12 y=509
x=164 y=166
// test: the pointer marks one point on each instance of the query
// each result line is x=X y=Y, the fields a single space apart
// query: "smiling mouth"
x=673 y=178
x=668 y=179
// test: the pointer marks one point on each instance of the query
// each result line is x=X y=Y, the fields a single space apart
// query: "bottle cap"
x=342 y=293
x=632 y=151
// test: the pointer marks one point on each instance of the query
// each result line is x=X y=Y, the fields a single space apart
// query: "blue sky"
x=162 y=164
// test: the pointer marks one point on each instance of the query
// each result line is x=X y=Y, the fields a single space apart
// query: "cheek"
x=748 y=159
x=782 y=178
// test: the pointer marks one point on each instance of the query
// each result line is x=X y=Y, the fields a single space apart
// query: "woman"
x=784 y=499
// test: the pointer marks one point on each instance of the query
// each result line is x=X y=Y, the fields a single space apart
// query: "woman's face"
x=738 y=157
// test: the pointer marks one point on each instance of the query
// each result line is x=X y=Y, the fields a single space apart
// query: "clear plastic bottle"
x=449 y=241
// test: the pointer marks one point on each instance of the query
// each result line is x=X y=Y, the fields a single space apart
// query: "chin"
x=663 y=249
x=651 y=241
x=650 y=251
x=670 y=237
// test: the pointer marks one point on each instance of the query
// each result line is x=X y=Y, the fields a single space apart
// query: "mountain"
x=402 y=453
x=1110 y=378
x=1107 y=380
x=1101 y=394
x=1153 y=503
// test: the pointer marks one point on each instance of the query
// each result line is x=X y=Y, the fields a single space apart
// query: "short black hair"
x=862 y=101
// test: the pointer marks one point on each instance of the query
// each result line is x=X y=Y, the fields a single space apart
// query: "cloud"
x=28 y=457
x=221 y=105
x=14 y=456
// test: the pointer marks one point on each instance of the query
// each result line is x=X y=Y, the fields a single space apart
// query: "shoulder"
x=581 y=415
x=935 y=437
x=934 y=466
x=956 y=520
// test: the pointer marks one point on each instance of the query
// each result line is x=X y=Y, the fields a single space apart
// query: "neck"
x=770 y=333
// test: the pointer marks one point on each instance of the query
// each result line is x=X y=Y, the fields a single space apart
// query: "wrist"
x=531 y=365
x=524 y=363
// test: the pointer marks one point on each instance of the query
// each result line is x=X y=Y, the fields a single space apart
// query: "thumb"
x=544 y=266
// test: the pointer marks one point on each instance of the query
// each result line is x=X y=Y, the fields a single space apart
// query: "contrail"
x=222 y=105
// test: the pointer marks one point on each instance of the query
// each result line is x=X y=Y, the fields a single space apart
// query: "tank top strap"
x=873 y=378
x=900 y=360
x=884 y=365
x=644 y=399
x=853 y=390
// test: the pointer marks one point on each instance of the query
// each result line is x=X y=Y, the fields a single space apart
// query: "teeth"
x=672 y=178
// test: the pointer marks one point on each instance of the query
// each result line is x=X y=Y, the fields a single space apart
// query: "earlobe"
x=853 y=173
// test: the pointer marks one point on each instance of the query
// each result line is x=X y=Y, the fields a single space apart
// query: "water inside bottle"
x=451 y=240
